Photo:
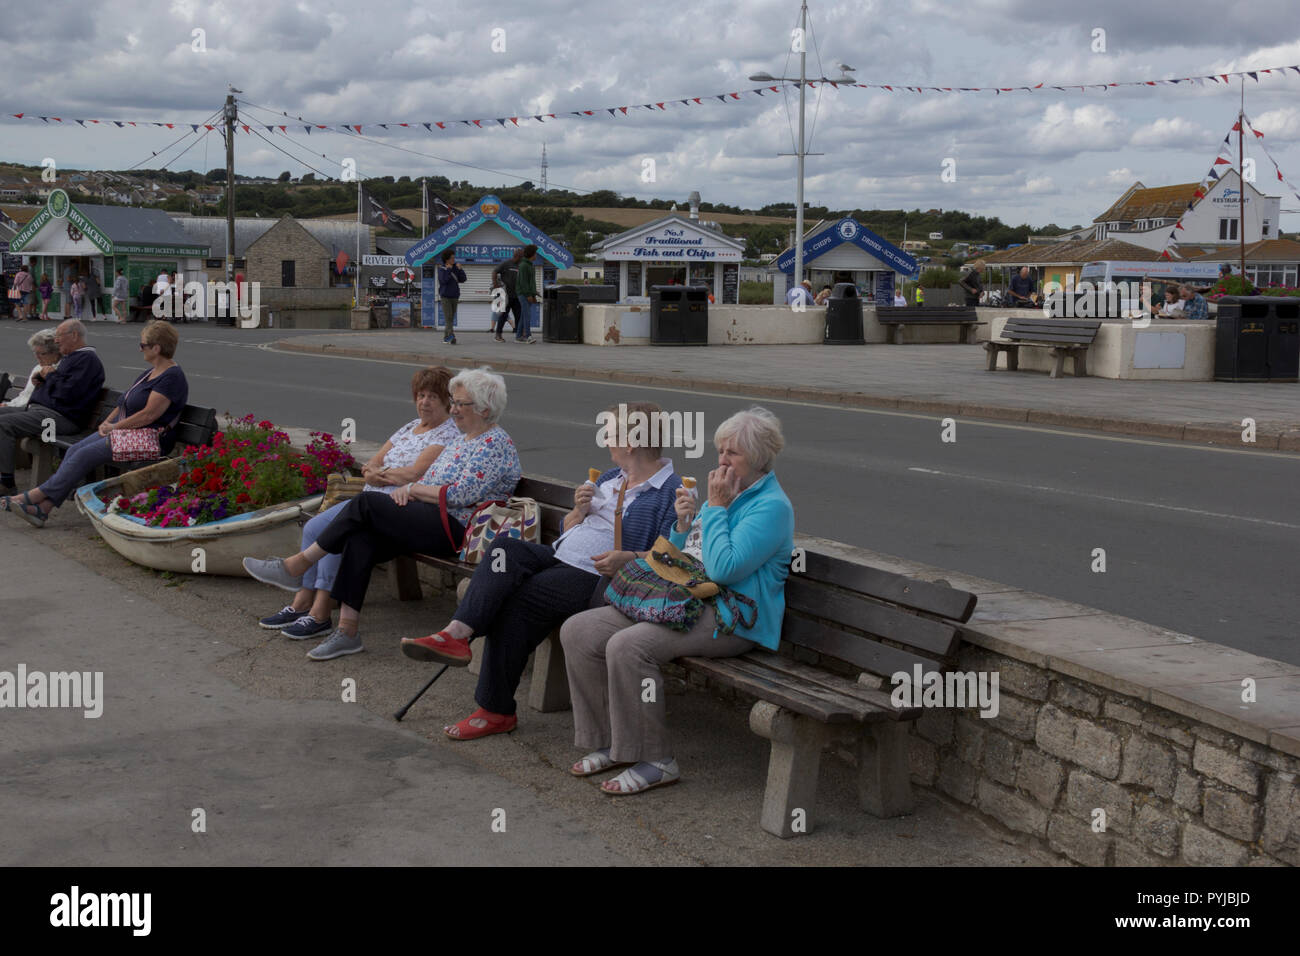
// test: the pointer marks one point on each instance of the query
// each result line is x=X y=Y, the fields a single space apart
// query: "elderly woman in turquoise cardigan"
x=744 y=535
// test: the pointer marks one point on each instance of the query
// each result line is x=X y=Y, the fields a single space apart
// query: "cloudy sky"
x=1042 y=157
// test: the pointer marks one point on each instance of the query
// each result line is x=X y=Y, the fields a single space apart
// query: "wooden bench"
x=847 y=627
x=1064 y=337
x=549 y=690
x=895 y=317
x=196 y=427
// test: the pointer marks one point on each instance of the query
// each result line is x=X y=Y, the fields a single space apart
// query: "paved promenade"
x=940 y=379
x=203 y=710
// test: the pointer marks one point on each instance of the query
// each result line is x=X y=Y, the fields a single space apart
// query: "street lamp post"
x=802 y=151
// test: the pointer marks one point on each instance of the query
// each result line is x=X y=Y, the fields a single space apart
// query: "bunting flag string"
x=1277 y=169
x=521 y=120
x=1213 y=176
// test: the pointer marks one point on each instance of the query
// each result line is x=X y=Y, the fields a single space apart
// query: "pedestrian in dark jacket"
x=505 y=276
x=526 y=289
x=450 y=276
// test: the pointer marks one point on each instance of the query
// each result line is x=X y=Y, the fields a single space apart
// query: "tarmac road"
x=1198 y=539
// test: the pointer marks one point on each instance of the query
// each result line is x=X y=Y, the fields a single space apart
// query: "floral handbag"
x=515 y=517
x=134 y=444
x=670 y=587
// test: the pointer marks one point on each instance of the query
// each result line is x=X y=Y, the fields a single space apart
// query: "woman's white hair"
x=757 y=432
x=487 y=390
x=43 y=341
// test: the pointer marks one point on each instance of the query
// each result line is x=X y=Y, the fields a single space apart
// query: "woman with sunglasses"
x=154 y=400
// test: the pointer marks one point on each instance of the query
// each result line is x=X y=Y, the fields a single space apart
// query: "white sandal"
x=595 y=762
x=630 y=781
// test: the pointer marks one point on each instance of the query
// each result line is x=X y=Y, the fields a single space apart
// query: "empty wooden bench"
x=549 y=690
x=895 y=317
x=847 y=628
x=1064 y=337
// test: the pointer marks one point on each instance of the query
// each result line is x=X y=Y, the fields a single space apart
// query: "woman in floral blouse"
x=405 y=457
x=428 y=515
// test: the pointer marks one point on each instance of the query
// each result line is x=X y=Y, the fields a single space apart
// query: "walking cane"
x=411 y=703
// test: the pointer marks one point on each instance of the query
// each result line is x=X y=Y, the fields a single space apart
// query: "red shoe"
x=481 y=723
x=440 y=647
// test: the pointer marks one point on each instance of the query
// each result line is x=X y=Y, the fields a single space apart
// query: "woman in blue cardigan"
x=518 y=596
x=744 y=534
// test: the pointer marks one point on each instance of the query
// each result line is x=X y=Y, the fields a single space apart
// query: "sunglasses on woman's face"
x=145 y=345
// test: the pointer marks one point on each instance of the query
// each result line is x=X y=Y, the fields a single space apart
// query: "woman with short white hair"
x=45 y=347
x=744 y=535
x=426 y=516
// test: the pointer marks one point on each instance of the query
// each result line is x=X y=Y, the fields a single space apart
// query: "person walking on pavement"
x=23 y=285
x=65 y=289
x=507 y=275
x=46 y=290
x=526 y=289
x=450 y=276
x=971 y=283
x=93 y=291
x=121 y=292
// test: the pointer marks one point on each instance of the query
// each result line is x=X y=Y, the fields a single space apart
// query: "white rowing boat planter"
x=215 y=548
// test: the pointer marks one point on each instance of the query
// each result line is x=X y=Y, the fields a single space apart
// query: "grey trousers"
x=28 y=423
x=615 y=682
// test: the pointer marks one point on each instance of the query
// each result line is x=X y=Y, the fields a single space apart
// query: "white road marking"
x=1075 y=493
x=930 y=417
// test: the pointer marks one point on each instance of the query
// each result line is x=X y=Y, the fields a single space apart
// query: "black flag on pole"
x=375 y=213
x=437 y=207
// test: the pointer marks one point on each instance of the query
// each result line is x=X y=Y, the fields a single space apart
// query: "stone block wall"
x=1173 y=791
x=287 y=239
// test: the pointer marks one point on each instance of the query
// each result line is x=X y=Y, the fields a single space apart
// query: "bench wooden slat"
x=825 y=706
x=863 y=653
x=853 y=610
x=1083 y=324
x=1048 y=338
x=937 y=599
x=545 y=492
x=815 y=675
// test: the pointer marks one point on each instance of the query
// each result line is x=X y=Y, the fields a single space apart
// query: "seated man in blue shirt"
x=67 y=396
x=1021 y=295
x=1194 y=304
x=801 y=294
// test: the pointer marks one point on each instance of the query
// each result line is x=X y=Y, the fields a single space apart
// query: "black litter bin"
x=561 y=314
x=1257 y=339
x=679 y=315
x=844 y=316
x=597 y=293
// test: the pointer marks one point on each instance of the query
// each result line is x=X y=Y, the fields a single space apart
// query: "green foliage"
x=940 y=278
x=756 y=293
x=273 y=482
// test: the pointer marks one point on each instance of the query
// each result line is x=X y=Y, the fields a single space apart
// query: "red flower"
x=265 y=424
x=480 y=474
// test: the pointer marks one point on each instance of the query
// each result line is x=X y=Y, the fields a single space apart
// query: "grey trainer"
x=337 y=644
x=272 y=571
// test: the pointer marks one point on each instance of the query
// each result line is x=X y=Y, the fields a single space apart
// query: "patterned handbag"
x=134 y=444
x=670 y=587
x=515 y=517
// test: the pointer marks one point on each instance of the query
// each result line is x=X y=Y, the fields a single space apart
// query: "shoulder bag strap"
x=618 y=517
x=446 y=523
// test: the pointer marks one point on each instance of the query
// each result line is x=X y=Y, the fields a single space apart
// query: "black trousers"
x=515 y=608
x=373 y=529
x=512 y=306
